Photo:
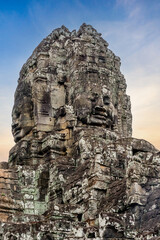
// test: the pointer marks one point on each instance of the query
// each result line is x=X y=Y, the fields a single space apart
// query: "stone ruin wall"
x=75 y=171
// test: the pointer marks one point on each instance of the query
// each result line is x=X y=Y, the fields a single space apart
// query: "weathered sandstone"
x=75 y=171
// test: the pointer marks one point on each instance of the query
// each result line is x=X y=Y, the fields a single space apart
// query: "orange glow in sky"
x=131 y=27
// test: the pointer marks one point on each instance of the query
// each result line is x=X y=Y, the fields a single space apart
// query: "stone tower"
x=75 y=172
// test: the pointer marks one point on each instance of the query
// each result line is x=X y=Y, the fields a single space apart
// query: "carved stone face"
x=22 y=114
x=95 y=107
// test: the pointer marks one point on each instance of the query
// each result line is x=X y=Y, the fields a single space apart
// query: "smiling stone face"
x=74 y=153
x=76 y=71
x=22 y=114
x=96 y=108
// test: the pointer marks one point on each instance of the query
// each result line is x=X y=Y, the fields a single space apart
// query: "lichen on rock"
x=75 y=171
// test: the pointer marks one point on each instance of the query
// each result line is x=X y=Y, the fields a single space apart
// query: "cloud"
x=145 y=96
x=125 y=3
x=133 y=9
x=133 y=34
x=48 y=15
x=146 y=115
x=136 y=39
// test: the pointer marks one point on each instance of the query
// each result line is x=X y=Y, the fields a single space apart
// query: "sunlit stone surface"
x=75 y=172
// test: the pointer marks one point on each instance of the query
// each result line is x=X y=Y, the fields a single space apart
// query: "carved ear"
x=83 y=108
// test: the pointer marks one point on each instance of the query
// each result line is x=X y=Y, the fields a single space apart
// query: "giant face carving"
x=96 y=107
x=94 y=89
x=22 y=114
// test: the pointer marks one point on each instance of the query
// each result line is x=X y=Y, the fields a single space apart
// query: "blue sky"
x=131 y=27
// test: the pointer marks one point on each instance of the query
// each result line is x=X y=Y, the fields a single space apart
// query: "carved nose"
x=99 y=105
x=14 y=125
x=100 y=102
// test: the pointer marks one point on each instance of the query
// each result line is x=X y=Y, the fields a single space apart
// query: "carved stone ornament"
x=75 y=171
